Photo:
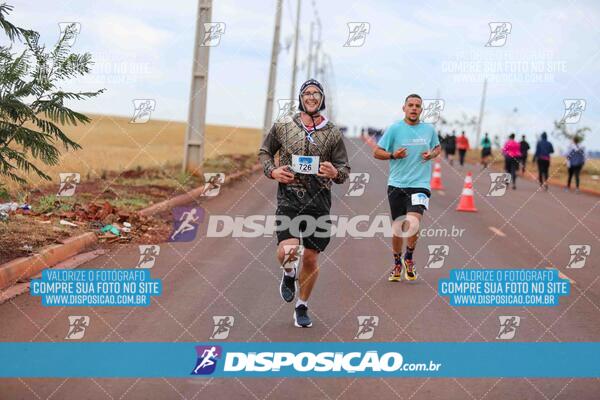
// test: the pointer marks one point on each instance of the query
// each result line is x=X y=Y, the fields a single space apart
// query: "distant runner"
x=462 y=144
x=450 y=147
x=512 y=155
x=543 y=150
x=524 y=150
x=486 y=150
x=575 y=157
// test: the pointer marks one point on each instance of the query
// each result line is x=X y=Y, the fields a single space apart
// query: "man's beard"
x=315 y=112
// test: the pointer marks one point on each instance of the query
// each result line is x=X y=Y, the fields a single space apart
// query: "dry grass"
x=111 y=143
x=590 y=174
x=22 y=230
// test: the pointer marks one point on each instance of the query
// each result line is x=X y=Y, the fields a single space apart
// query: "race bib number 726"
x=305 y=164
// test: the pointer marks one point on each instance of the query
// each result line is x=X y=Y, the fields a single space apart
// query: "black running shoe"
x=301 y=318
x=287 y=288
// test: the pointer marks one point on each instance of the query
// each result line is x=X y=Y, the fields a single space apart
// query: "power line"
x=295 y=61
x=273 y=70
x=290 y=13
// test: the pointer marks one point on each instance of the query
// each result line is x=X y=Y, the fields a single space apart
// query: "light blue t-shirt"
x=411 y=171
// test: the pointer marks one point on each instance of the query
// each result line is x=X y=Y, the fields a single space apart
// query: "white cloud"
x=125 y=34
x=404 y=52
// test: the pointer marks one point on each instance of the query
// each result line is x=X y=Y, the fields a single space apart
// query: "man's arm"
x=339 y=159
x=434 y=147
x=433 y=153
x=381 y=154
x=385 y=147
x=267 y=152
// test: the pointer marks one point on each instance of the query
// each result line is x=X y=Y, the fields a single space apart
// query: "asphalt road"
x=239 y=277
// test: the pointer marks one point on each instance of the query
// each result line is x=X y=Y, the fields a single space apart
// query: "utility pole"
x=193 y=157
x=310 y=48
x=273 y=70
x=318 y=68
x=293 y=90
x=480 y=114
x=330 y=86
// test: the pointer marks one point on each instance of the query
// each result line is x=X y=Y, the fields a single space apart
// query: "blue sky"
x=143 y=49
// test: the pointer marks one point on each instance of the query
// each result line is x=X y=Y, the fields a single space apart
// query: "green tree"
x=32 y=105
x=561 y=131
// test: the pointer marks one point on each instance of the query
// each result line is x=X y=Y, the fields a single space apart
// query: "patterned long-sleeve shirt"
x=308 y=193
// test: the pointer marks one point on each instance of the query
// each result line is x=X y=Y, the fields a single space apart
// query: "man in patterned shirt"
x=312 y=155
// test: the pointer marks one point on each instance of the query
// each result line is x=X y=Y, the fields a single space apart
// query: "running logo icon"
x=291 y=255
x=212 y=33
x=498 y=184
x=508 y=326
x=77 y=325
x=287 y=109
x=357 y=33
x=432 y=110
x=223 y=324
x=68 y=184
x=142 y=109
x=366 y=326
x=69 y=32
x=579 y=254
x=213 y=180
x=573 y=110
x=148 y=254
x=499 y=32
x=185 y=223
x=358 y=184
x=437 y=255
x=207 y=359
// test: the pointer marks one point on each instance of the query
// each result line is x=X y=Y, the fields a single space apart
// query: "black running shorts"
x=401 y=200
x=307 y=230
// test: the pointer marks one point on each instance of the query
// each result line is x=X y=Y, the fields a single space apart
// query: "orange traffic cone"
x=436 y=177
x=466 y=202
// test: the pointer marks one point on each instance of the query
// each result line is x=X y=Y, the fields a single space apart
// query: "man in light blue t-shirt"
x=410 y=145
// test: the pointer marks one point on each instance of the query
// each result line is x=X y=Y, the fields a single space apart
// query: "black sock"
x=398 y=259
x=408 y=254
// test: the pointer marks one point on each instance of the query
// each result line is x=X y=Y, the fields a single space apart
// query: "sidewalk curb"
x=71 y=263
x=25 y=267
x=192 y=196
